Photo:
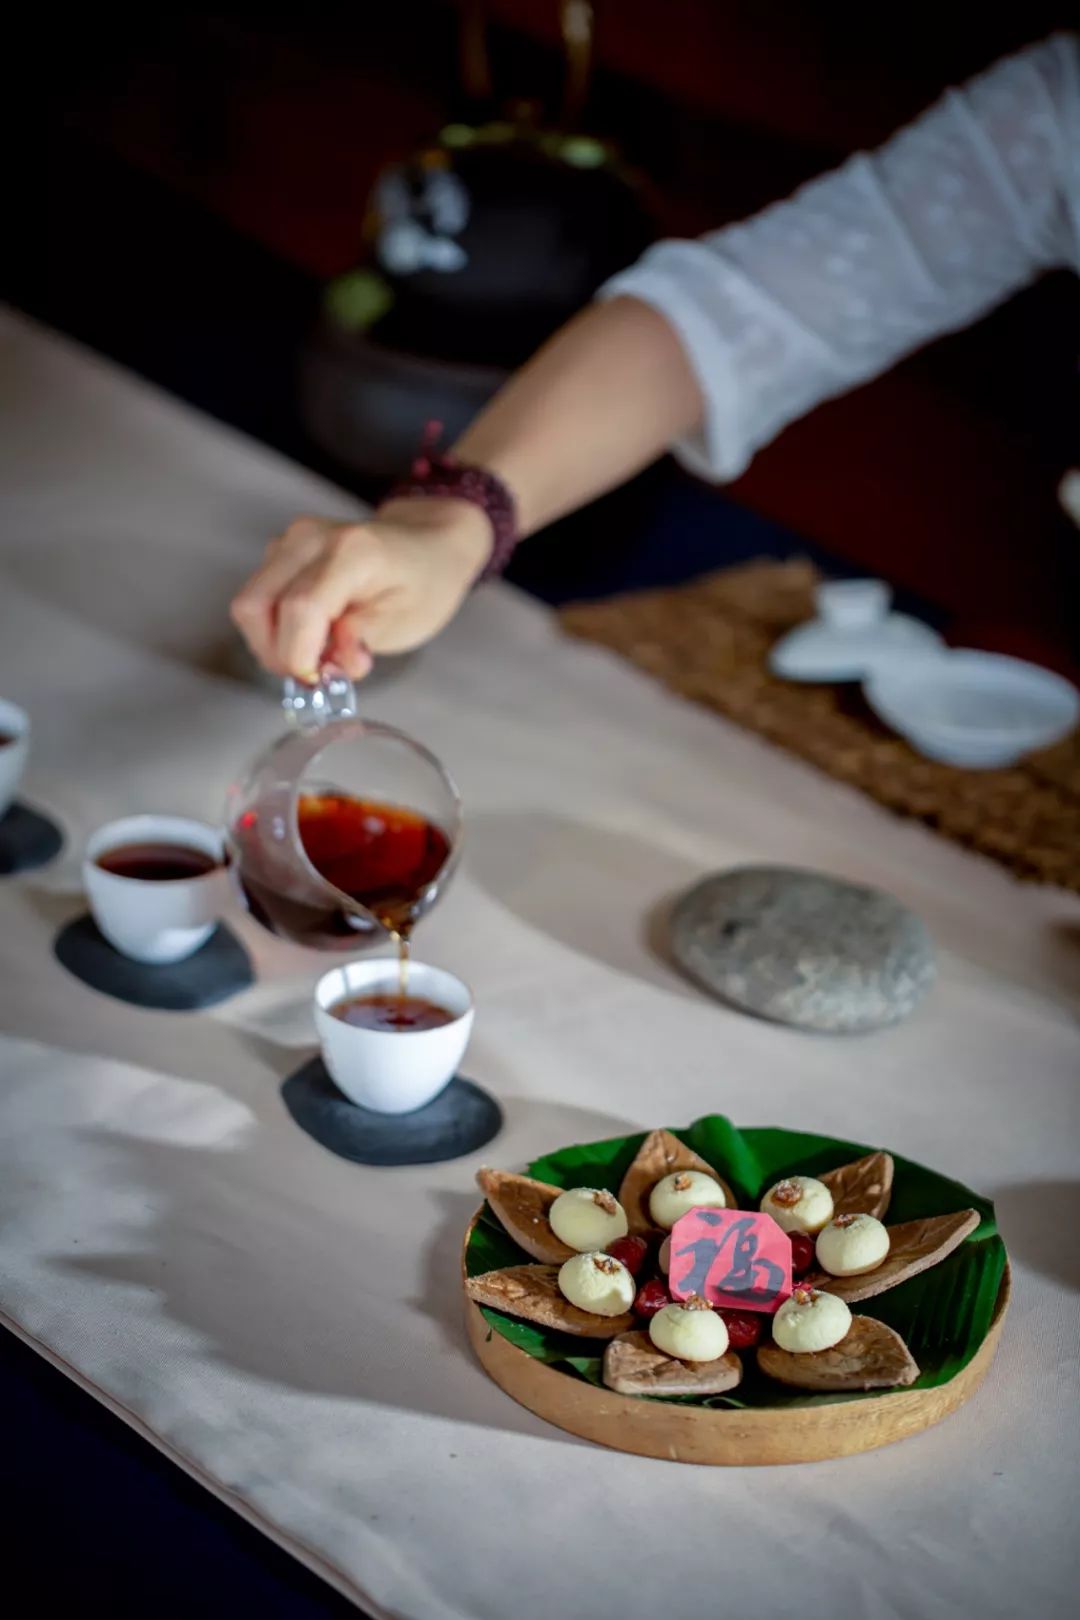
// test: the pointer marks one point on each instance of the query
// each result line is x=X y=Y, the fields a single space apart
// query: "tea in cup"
x=391 y=1050
x=156 y=885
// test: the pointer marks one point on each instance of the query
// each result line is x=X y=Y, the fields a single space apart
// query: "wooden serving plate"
x=729 y=1437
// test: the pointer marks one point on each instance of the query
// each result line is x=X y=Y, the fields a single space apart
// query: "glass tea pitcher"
x=344 y=830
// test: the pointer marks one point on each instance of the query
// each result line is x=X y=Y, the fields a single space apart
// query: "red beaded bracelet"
x=444 y=475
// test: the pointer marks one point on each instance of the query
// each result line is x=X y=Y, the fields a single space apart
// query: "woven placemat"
x=710 y=640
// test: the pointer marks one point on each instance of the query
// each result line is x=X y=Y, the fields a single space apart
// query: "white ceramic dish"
x=392 y=1071
x=853 y=634
x=977 y=709
x=14 y=724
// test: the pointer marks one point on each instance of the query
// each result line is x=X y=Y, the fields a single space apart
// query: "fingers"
x=254 y=608
x=348 y=644
x=348 y=573
x=348 y=591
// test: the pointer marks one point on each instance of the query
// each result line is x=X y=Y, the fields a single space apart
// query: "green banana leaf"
x=943 y=1314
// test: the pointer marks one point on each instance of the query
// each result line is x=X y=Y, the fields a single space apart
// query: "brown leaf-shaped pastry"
x=523 y=1206
x=532 y=1292
x=634 y=1366
x=657 y=1157
x=914 y=1246
x=862 y=1188
x=869 y=1356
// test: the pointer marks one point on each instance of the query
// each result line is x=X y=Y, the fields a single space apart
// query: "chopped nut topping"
x=804 y=1296
x=694 y=1302
x=786 y=1193
x=607 y=1264
x=606 y=1202
x=845 y=1220
x=682 y=1182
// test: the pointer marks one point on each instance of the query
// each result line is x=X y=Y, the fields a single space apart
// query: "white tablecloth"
x=287 y=1325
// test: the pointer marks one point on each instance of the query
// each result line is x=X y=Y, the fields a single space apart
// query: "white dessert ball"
x=851 y=1245
x=682 y=1191
x=597 y=1283
x=810 y=1321
x=692 y=1331
x=587 y=1218
x=799 y=1204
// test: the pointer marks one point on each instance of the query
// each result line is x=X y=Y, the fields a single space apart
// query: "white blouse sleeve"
x=860 y=267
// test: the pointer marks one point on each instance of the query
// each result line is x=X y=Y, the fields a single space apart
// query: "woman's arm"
x=599 y=401
x=714 y=346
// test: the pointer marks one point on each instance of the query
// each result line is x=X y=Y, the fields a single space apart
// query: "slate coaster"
x=218 y=970
x=458 y=1121
x=803 y=948
x=27 y=840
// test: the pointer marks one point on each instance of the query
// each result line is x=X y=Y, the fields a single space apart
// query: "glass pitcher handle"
x=331 y=697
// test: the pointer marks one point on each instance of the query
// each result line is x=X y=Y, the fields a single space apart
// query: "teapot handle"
x=576 y=25
x=331 y=697
x=576 y=20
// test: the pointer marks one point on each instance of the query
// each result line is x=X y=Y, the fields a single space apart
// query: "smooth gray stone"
x=803 y=948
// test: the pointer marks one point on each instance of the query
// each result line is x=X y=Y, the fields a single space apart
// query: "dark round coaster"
x=459 y=1120
x=218 y=970
x=27 y=840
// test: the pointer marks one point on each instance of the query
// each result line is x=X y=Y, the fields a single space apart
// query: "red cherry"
x=652 y=1297
x=744 y=1328
x=802 y=1253
x=632 y=1251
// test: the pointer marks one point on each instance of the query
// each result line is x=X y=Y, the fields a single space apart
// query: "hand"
x=341 y=592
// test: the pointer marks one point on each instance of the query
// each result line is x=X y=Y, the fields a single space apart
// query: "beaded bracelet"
x=436 y=475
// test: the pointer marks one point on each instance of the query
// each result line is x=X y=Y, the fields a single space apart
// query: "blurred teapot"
x=480 y=246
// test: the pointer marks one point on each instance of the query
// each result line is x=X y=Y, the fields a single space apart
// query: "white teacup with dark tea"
x=14 y=747
x=156 y=885
x=388 y=1049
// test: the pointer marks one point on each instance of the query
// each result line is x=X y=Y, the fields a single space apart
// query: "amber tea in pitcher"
x=383 y=856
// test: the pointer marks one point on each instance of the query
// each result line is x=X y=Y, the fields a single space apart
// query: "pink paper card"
x=732 y=1258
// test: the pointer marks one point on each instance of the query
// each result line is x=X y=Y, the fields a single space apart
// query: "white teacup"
x=853 y=604
x=14 y=725
x=156 y=921
x=392 y=1071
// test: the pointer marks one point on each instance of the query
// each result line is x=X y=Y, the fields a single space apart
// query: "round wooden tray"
x=728 y=1437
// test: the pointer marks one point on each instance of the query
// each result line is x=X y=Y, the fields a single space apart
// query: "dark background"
x=187 y=178
x=197 y=174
